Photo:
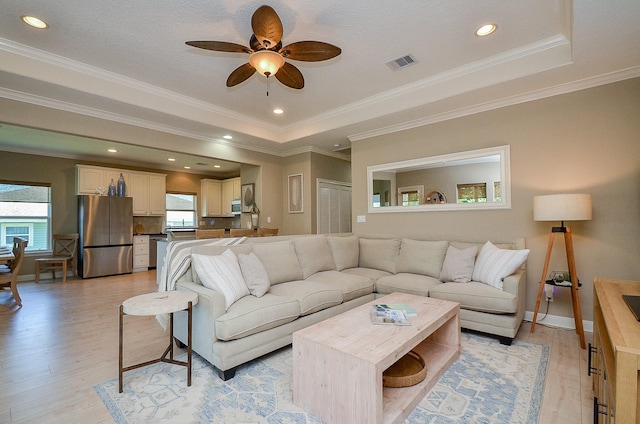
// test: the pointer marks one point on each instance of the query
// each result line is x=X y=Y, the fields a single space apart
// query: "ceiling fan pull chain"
x=268 y=83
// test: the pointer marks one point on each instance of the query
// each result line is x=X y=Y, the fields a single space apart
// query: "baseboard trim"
x=558 y=321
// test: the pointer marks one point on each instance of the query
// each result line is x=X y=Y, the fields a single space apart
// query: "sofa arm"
x=210 y=306
x=515 y=283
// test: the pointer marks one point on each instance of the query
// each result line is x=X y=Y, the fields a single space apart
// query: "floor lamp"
x=562 y=207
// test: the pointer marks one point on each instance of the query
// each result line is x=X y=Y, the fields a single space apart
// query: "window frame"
x=8 y=221
x=194 y=211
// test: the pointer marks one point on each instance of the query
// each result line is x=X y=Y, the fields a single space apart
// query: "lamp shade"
x=266 y=62
x=562 y=207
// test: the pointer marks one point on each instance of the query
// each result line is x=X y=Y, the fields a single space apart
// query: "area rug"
x=488 y=383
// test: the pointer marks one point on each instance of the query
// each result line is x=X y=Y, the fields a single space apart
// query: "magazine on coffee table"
x=384 y=315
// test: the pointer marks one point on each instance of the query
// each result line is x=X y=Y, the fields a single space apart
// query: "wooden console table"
x=614 y=359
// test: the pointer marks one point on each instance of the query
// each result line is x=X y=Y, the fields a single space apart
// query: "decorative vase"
x=112 y=188
x=255 y=216
x=122 y=187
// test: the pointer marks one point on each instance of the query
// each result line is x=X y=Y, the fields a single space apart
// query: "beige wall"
x=583 y=142
x=312 y=166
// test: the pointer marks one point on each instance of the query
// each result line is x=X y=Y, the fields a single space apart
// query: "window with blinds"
x=409 y=196
x=25 y=211
x=181 y=210
x=472 y=193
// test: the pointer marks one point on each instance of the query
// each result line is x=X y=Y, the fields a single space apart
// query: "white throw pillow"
x=254 y=273
x=494 y=264
x=458 y=265
x=221 y=273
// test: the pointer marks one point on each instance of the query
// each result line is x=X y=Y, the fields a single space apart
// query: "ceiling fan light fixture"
x=266 y=62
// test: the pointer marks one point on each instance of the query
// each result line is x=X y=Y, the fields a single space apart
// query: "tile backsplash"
x=149 y=224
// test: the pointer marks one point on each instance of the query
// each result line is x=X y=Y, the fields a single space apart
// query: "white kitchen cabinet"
x=148 y=192
x=211 y=197
x=90 y=179
x=230 y=192
x=140 y=253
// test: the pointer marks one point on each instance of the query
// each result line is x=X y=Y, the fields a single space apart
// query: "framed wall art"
x=248 y=197
x=295 y=193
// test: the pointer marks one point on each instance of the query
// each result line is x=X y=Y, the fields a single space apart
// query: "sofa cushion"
x=345 y=251
x=422 y=257
x=372 y=274
x=222 y=274
x=314 y=254
x=379 y=254
x=351 y=285
x=280 y=261
x=404 y=282
x=313 y=297
x=494 y=264
x=251 y=315
x=255 y=276
x=458 y=264
x=215 y=250
x=477 y=296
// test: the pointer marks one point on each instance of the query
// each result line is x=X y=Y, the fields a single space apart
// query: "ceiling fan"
x=267 y=54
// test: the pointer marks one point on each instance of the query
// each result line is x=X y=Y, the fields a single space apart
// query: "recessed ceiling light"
x=337 y=145
x=485 y=30
x=216 y=166
x=171 y=159
x=187 y=167
x=112 y=151
x=278 y=111
x=34 y=22
x=227 y=137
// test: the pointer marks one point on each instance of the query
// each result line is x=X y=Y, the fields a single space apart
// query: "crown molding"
x=314 y=149
x=29 y=62
x=536 y=57
x=123 y=119
x=509 y=101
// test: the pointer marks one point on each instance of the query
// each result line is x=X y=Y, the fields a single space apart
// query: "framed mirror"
x=475 y=179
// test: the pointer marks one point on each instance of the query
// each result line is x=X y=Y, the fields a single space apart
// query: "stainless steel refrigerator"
x=106 y=235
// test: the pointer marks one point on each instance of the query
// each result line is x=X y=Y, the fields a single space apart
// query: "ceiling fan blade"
x=310 y=51
x=220 y=46
x=290 y=76
x=266 y=26
x=240 y=74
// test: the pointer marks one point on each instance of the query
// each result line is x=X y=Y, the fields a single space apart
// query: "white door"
x=334 y=207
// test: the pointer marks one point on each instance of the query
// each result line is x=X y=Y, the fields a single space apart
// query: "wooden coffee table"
x=338 y=363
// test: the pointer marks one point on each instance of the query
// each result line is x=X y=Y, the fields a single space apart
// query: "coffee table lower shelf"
x=338 y=363
x=396 y=401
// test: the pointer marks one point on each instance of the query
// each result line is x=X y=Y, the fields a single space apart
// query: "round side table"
x=155 y=304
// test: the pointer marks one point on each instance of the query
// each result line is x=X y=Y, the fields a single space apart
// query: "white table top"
x=159 y=303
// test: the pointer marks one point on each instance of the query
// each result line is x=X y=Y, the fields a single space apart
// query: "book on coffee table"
x=384 y=315
x=408 y=310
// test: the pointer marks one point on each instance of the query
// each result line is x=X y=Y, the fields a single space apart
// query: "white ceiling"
x=127 y=62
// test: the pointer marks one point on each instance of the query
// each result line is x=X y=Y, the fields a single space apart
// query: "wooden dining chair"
x=205 y=234
x=241 y=232
x=10 y=279
x=65 y=248
x=265 y=232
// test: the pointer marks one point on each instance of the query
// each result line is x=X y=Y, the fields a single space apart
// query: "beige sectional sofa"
x=311 y=278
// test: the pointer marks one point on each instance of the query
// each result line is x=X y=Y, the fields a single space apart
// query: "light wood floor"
x=64 y=340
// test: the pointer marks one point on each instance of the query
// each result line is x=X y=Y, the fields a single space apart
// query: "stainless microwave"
x=236 y=207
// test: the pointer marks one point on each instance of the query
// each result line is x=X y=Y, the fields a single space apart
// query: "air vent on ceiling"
x=401 y=62
x=202 y=164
